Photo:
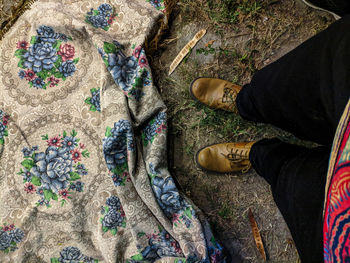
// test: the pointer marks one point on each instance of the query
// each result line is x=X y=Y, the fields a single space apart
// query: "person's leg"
x=339 y=7
x=306 y=90
x=297 y=176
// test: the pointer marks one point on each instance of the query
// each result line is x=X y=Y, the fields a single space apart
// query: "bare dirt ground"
x=242 y=37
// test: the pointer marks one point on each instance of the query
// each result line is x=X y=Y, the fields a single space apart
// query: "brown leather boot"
x=225 y=157
x=216 y=93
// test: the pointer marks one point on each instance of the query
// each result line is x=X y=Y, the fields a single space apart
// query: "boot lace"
x=236 y=156
x=229 y=98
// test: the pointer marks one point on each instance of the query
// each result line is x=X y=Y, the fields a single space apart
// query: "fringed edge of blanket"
x=16 y=13
x=152 y=43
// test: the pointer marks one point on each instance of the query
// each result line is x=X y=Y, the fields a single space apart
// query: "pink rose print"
x=67 y=52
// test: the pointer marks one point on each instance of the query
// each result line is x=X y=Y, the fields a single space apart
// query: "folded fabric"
x=83 y=167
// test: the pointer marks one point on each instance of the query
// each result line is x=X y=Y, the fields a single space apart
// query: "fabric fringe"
x=6 y=25
x=152 y=44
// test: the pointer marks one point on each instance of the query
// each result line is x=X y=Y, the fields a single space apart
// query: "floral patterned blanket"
x=83 y=169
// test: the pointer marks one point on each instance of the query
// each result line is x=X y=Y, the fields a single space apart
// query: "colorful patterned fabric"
x=337 y=206
x=83 y=131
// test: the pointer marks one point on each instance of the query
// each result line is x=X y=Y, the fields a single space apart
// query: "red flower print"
x=152 y=236
x=159 y=130
x=143 y=61
x=176 y=217
x=6 y=228
x=136 y=52
x=76 y=155
x=82 y=145
x=53 y=81
x=30 y=75
x=67 y=52
x=22 y=44
x=125 y=174
x=216 y=256
x=64 y=194
x=122 y=213
x=176 y=246
x=5 y=122
x=29 y=188
x=54 y=141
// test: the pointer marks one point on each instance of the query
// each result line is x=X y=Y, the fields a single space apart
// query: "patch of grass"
x=245 y=60
x=226 y=210
x=225 y=123
x=230 y=11
x=189 y=149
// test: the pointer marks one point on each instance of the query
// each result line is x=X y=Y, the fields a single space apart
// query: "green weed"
x=229 y=11
x=226 y=211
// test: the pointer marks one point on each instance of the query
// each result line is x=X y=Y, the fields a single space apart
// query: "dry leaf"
x=256 y=234
x=210 y=42
x=186 y=49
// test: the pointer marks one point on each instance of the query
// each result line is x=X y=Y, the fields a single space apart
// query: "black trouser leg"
x=340 y=7
x=305 y=91
x=297 y=176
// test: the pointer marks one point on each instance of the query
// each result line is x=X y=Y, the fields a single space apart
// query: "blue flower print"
x=46 y=60
x=113 y=202
x=103 y=17
x=26 y=152
x=16 y=235
x=78 y=186
x=69 y=143
x=53 y=168
x=38 y=83
x=167 y=195
x=112 y=219
x=21 y=74
x=161 y=245
x=43 y=201
x=117 y=180
x=115 y=147
x=67 y=68
x=5 y=240
x=154 y=127
x=113 y=215
x=98 y=21
x=95 y=99
x=63 y=37
x=105 y=9
x=40 y=191
x=2 y=129
x=46 y=34
x=40 y=56
x=81 y=169
x=73 y=255
x=9 y=237
x=156 y=3
x=123 y=69
x=27 y=175
x=115 y=152
x=35 y=148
